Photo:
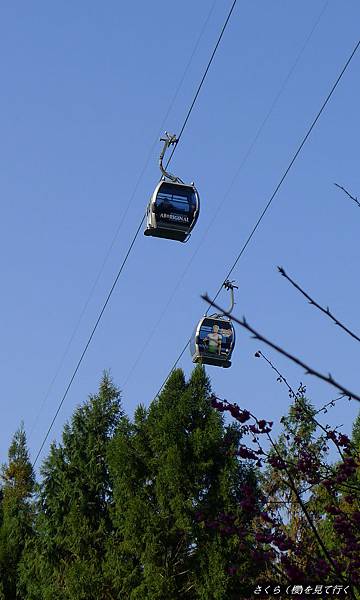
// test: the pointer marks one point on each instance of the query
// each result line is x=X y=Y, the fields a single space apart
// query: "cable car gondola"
x=213 y=340
x=174 y=206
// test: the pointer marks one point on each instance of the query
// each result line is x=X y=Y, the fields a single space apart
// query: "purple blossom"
x=245 y=452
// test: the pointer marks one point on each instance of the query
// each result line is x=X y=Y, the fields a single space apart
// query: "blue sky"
x=85 y=89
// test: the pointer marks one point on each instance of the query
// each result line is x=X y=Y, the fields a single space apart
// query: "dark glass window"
x=215 y=337
x=175 y=199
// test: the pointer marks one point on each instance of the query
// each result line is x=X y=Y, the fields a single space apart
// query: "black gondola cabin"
x=213 y=341
x=172 y=211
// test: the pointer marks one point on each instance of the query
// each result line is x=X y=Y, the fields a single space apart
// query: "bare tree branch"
x=326 y=310
x=308 y=370
x=299 y=399
x=281 y=377
x=292 y=394
x=332 y=403
x=348 y=193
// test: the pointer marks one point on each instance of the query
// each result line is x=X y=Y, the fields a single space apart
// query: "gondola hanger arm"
x=169 y=140
x=230 y=285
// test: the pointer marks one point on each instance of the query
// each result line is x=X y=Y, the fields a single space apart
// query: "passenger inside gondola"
x=215 y=337
x=213 y=340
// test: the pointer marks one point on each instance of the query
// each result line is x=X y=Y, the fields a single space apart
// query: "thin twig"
x=308 y=370
x=299 y=400
x=281 y=377
x=326 y=310
x=332 y=403
x=348 y=193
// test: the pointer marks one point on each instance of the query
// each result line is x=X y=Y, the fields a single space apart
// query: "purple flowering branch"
x=343 y=524
x=306 y=462
x=277 y=462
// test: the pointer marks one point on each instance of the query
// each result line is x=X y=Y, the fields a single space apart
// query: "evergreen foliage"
x=65 y=558
x=302 y=449
x=173 y=504
x=17 y=486
x=179 y=465
x=356 y=433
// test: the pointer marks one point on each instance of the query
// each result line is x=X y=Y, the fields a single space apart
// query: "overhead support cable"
x=273 y=195
x=118 y=229
x=227 y=193
x=133 y=240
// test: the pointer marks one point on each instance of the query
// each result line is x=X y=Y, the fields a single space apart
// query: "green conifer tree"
x=298 y=439
x=174 y=464
x=356 y=433
x=65 y=560
x=16 y=513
